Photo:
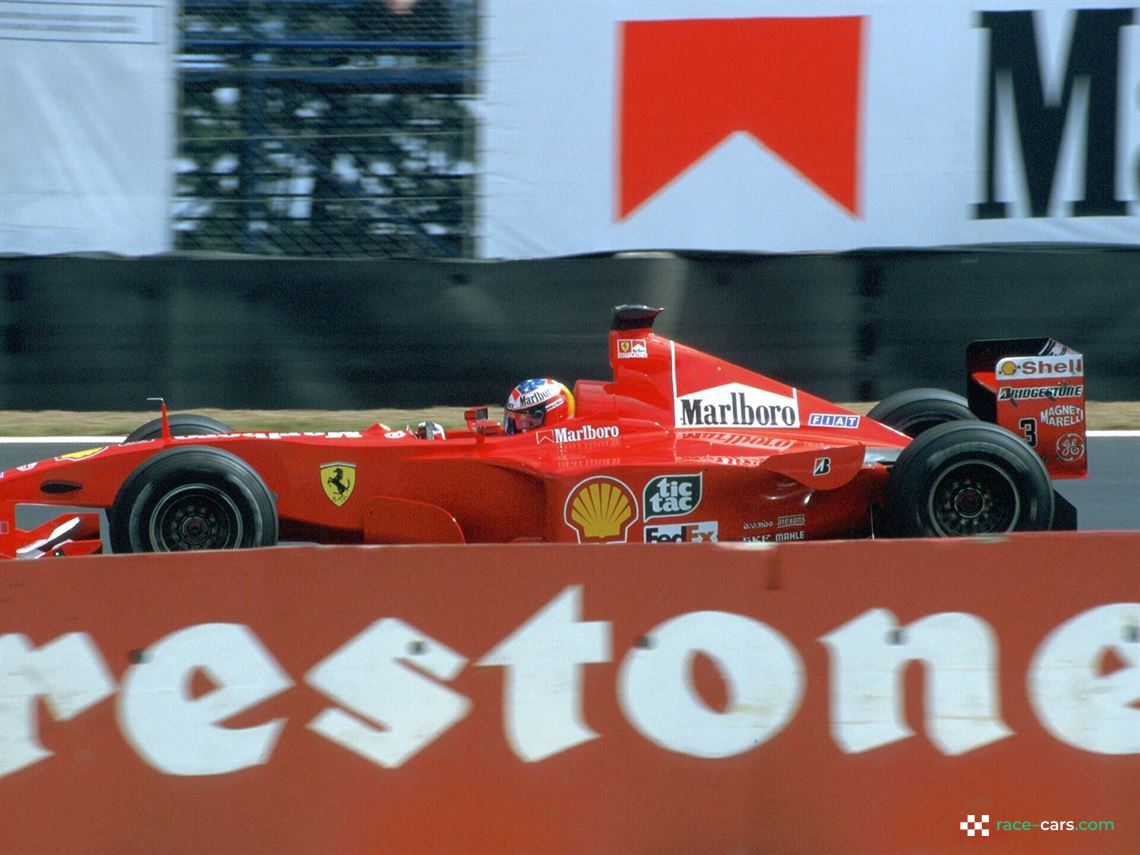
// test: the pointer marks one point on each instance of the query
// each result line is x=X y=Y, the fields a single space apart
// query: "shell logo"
x=1008 y=368
x=601 y=510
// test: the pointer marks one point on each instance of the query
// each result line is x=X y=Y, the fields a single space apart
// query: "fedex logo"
x=699 y=532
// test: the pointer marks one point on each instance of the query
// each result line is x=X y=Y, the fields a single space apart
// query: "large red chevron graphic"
x=792 y=83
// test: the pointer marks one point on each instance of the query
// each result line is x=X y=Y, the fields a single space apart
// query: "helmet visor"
x=519 y=422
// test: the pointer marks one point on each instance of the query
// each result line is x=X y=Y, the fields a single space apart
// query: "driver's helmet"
x=535 y=403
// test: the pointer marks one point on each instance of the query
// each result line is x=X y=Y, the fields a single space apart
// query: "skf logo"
x=699 y=532
x=338 y=481
x=791 y=83
x=600 y=510
x=671 y=495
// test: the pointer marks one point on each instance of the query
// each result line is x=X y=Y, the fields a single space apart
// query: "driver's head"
x=535 y=403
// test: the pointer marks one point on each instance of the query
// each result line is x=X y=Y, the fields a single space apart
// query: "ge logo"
x=1071 y=447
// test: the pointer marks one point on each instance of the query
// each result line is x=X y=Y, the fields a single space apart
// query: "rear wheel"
x=917 y=410
x=962 y=479
x=183 y=424
x=192 y=498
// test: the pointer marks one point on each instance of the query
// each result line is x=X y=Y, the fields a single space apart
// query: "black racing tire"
x=916 y=411
x=183 y=424
x=961 y=479
x=193 y=497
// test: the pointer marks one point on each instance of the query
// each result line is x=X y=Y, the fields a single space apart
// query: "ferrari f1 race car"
x=678 y=446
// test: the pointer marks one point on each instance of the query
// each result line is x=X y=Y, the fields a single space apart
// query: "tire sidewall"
x=142 y=494
x=916 y=411
x=182 y=424
x=931 y=457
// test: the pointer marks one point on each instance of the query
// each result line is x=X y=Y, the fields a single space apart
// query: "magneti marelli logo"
x=975 y=827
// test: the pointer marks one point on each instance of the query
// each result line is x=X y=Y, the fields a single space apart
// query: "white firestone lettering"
x=1080 y=707
x=181 y=735
x=762 y=670
x=68 y=673
x=543 y=658
x=960 y=652
x=543 y=687
x=370 y=676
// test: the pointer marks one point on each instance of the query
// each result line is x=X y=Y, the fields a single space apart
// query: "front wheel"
x=966 y=478
x=183 y=424
x=192 y=498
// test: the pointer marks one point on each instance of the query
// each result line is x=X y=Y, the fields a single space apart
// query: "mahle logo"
x=671 y=495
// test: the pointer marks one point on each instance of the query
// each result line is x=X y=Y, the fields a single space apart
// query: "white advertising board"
x=754 y=125
x=87 y=96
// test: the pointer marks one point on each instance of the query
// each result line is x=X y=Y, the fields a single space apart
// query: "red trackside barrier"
x=823 y=697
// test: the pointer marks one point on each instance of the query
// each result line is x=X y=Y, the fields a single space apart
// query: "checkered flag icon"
x=972 y=825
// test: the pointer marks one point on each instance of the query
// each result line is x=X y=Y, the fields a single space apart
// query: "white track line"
x=33 y=440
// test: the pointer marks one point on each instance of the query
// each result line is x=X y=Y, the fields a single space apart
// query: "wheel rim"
x=195 y=516
x=973 y=497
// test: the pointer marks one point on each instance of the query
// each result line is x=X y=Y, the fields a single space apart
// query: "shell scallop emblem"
x=601 y=510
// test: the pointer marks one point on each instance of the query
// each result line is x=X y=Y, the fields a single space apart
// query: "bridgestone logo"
x=586 y=432
x=1037 y=393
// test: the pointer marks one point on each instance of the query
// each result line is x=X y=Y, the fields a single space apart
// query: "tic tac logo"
x=793 y=84
x=600 y=510
x=671 y=495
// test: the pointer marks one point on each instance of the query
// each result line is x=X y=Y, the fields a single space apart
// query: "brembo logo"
x=793 y=84
x=737 y=405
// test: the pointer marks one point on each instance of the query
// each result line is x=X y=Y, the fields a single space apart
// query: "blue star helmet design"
x=537 y=402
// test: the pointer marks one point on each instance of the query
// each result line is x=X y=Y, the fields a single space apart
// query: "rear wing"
x=1035 y=388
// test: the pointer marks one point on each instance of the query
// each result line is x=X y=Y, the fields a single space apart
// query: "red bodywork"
x=679 y=446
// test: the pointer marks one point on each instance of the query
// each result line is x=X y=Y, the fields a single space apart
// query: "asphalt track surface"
x=1108 y=500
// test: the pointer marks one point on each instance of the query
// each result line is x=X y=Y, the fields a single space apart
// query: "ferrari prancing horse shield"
x=338 y=480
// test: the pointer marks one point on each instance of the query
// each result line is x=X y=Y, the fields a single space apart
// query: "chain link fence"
x=327 y=127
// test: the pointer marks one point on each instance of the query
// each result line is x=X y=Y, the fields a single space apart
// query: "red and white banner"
x=770 y=125
x=873 y=696
x=87 y=96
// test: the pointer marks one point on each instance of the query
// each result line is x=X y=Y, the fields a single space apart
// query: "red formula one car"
x=678 y=447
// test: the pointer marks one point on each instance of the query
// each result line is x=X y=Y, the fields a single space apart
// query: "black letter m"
x=1015 y=83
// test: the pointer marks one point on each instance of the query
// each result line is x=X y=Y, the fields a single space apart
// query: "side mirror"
x=475 y=414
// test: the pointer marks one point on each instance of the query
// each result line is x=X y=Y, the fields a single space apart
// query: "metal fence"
x=327 y=127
